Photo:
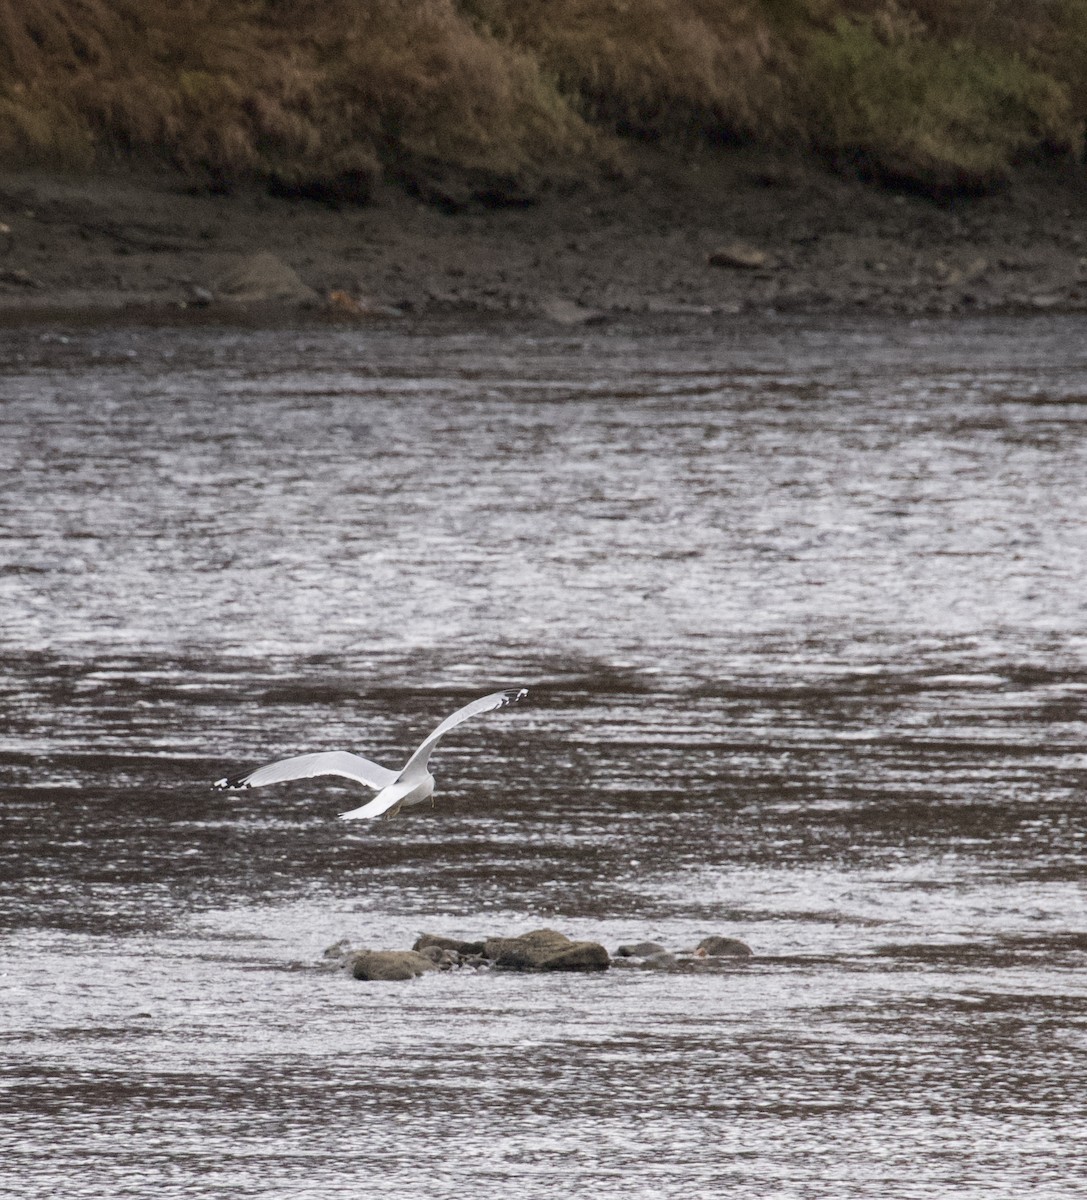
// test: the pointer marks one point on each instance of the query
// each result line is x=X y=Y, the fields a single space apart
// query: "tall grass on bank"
x=313 y=94
x=686 y=68
x=264 y=88
x=947 y=115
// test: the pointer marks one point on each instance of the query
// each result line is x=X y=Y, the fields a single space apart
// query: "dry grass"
x=937 y=93
x=417 y=79
x=204 y=91
x=243 y=88
x=656 y=67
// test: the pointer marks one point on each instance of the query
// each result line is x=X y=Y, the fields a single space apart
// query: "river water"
x=802 y=609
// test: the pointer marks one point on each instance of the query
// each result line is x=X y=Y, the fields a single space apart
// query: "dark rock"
x=578 y=956
x=444 y=960
x=716 y=947
x=545 y=950
x=526 y=951
x=390 y=964
x=640 y=949
x=447 y=943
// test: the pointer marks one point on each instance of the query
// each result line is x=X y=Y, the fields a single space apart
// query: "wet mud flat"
x=799 y=606
x=715 y=234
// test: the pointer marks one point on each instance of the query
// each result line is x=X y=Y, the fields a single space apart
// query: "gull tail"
x=386 y=799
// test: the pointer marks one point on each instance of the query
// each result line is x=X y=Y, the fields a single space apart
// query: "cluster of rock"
x=653 y=954
x=540 y=950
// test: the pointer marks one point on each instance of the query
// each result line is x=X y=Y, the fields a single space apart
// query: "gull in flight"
x=395 y=789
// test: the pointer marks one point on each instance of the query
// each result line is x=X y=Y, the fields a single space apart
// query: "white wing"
x=332 y=762
x=415 y=767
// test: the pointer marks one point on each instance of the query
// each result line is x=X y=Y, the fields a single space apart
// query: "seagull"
x=395 y=789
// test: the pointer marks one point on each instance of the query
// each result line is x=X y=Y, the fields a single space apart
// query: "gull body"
x=395 y=789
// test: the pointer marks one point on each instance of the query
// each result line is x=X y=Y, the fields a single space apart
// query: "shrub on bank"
x=656 y=68
x=299 y=92
x=942 y=116
x=323 y=95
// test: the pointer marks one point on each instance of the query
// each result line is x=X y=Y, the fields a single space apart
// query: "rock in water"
x=546 y=950
x=445 y=960
x=716 y=947
x=526 y=951
x=447 y=943
x=578 y=956
x=641 y=950
x=390 y=964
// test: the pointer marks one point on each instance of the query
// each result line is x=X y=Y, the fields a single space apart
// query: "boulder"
x=425 y=940
x=445 y=960
x=545 y=950
x=578 y=956
x=641 y=950
x=390 y=964
x=720 y=947
x=261 y=278
x=527 y=951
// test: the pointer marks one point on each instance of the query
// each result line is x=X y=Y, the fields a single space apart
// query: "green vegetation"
x=314 y=95
x=944 y=115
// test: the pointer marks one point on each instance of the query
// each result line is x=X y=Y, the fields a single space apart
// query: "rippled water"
x=802 y=610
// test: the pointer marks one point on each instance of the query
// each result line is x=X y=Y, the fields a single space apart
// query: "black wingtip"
x=230 y=784
x=513 y=695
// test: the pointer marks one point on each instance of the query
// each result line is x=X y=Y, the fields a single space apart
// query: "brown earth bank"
x=714 y=232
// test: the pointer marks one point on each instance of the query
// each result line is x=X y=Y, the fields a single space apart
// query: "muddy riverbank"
x=716 y=233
